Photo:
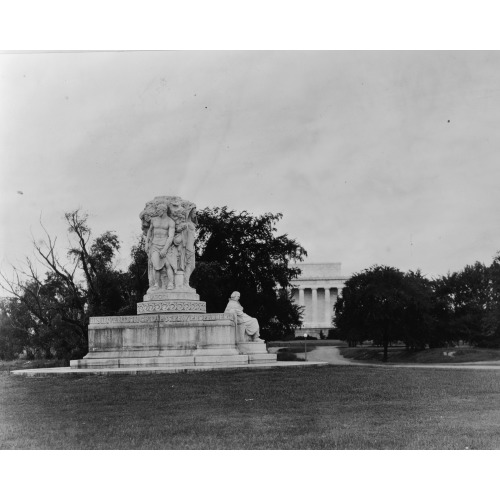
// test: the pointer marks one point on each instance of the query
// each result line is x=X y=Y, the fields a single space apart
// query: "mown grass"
x=325 y=407
x=399 y=355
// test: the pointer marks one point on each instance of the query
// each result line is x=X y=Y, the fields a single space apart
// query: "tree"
x=385 y=305
x=137 y=277
x=12 y=338
x=104 y=290
x=465 y=300
x=239 y=251
x=470 y=298
x=491 y=318
x=443 y=311
x=53 y=309
x=418 y=321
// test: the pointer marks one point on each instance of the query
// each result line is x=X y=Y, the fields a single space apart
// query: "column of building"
x=314 y=304
x=328 y=301
x=301 y=296
x=328 y=307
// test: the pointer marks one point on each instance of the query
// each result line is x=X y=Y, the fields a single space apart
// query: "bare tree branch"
x=78 y=226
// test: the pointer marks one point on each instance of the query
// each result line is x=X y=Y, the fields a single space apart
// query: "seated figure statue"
x=250 y=324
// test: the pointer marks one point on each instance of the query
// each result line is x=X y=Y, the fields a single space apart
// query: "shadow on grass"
x=290 y=353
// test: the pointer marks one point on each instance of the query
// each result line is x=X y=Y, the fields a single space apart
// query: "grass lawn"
x=324 y=407
x=400 y=355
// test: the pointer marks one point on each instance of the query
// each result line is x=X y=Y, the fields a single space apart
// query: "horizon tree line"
x=386 y=305
x=48 y=313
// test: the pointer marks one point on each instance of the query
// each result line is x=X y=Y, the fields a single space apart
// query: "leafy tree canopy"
x=49 y=313
x=240 y=251
x=385 y=305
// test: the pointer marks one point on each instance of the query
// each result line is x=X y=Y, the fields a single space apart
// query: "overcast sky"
x=372 y=157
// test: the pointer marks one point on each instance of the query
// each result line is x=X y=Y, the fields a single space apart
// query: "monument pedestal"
x=171 y=326
x=167 y=332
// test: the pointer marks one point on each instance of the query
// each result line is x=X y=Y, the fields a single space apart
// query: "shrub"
x=285 y=355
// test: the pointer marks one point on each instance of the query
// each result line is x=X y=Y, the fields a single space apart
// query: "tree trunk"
x=386 y=345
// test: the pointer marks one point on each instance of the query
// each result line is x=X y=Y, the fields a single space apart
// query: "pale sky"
x=372 y=157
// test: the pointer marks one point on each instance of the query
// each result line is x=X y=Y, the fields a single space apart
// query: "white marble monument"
x=172 y=327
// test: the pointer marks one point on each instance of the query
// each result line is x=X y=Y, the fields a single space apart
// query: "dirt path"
x=328 y=354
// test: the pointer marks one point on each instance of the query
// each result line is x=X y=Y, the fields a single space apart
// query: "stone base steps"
x=198 y=359
x=71 y=372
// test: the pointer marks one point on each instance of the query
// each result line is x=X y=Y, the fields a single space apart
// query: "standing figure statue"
x=187 y=252
x=162 y=255
x=169 y=226
x=178 y=214
x=251 y=324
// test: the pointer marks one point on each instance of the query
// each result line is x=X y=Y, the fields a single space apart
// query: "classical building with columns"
x=317 y=289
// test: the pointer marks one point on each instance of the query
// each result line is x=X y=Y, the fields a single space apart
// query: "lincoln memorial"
x=317 y=289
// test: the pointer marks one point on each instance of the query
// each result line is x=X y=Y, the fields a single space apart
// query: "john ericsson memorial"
x=171 y=327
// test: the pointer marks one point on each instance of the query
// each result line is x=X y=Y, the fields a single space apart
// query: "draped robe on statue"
x=251 y=324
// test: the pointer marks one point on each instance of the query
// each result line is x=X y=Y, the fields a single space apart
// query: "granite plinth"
x=171 y=306
x=162 y=361
x=169 y=339
x=256 y=351
x=176 y=294
x=179 y=300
